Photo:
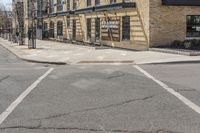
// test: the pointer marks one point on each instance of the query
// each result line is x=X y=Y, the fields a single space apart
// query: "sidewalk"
x=64 y=53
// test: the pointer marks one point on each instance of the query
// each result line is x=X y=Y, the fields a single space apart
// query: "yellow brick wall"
x=168 y=23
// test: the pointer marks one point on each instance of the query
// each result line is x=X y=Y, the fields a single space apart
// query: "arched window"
x=51 y=31
x=60 y=28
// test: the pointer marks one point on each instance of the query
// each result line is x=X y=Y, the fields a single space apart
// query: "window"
x=113 y=1
x=68 y=5
x=45 y=30
x=60 y=28
x=51 y=6
x=68 y=21
x=51 y=30
x=74 y=5
x=97 y=2
x=97 y=27
x=45 y=26
x=59 y=5
x=126 y=28
x=89 y=3
x=193 y=26
x=89 y=28
x=74 y=29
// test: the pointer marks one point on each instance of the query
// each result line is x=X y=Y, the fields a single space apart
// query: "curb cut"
x=34 y=61
x=170 y=51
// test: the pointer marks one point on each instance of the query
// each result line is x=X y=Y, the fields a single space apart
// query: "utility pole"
x=32 y=24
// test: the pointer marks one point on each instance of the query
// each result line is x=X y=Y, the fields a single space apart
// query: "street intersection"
x=94 y=98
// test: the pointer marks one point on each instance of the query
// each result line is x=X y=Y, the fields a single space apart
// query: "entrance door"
x=74 y=30
x=97 y=27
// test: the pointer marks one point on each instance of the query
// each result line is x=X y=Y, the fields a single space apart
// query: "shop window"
x=193 y=26
x=51 y=30
x=97 y=2
x=89 y=28
x=51 y=6
x=113 y=1
x=89 y=3
x=59 y=5
x=60 y=28
x=126 y=28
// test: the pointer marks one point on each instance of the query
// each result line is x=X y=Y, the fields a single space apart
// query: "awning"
x=181 y=2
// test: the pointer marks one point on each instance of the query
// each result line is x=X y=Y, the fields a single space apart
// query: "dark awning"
x=181 y=2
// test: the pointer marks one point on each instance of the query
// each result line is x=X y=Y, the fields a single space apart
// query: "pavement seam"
x=86 y=129
x=97 y=108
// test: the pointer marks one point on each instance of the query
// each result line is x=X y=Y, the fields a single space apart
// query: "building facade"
x=105 y=22
x=130 y=24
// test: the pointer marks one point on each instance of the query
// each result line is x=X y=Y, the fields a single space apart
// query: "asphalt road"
x=98 y=98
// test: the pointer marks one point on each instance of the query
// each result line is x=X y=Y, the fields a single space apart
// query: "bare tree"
x=5 y=21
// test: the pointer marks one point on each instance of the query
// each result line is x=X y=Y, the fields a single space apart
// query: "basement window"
x=193 y=26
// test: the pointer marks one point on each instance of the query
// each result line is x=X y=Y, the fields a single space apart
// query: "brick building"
x=131 y=24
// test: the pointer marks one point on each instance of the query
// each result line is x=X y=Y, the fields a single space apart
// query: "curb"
x=34 y=61
x=172 y=62
x=170 y=51
x=107 y=62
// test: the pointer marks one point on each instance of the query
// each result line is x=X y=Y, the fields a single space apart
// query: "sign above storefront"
x=110 y=29
x=110 y=24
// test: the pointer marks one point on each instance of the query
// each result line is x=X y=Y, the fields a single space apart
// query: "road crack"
x=98 y=108
x=4 y=78
x=186 y=90
x=116 y=76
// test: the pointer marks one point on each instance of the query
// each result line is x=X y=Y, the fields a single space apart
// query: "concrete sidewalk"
x=64 y=53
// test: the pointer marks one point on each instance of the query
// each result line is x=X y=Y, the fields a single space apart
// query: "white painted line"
x=186 y=101
x=13 y=105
